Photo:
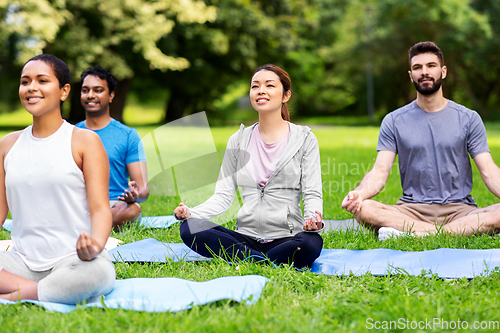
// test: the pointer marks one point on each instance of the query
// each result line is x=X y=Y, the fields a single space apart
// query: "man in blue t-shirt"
x=433 y=137
x=123 y=145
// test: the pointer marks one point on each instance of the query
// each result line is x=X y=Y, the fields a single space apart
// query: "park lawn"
x=294 y=301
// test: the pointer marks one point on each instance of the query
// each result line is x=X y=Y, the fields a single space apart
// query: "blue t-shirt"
x=123 y=146
x=433 y=151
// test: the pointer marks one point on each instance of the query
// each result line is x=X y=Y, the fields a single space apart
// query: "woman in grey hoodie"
x=275 y=163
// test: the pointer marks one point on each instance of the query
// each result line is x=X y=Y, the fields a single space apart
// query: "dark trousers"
x=300 y=250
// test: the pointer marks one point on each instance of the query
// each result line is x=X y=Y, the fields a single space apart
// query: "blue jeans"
x=300 y=250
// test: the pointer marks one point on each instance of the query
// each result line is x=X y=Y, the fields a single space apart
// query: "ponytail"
x=284 y=112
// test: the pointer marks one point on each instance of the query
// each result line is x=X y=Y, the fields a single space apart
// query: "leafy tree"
x=190 y=52
x=381 y=32
x=245 y=34
x=480 y=68
x=101 y=32
x=20 y=33
x=312 y=64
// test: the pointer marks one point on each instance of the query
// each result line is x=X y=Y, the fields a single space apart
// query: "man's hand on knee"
x=352 y=202
x=132 y=194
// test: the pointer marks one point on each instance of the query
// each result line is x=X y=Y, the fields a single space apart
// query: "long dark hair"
x=285 y=81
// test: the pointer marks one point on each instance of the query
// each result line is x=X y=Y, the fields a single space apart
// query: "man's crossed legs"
x=424 y=219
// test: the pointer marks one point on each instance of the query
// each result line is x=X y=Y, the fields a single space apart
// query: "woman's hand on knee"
x=182 y=212
x=314 y=224
x=87 y=248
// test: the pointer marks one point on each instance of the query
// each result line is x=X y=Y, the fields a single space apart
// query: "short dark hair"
x=59 y=67
x=425 y=47
x=101 y=73
x=285 y=81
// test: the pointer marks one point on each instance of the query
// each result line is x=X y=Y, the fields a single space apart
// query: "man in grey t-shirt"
x=433 y=137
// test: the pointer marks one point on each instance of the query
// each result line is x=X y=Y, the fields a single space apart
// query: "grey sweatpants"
x=70 y=281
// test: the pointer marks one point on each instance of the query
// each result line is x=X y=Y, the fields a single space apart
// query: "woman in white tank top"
x=54 y=180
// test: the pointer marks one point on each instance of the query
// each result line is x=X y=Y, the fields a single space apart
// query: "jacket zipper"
x=260 y=209
x=261 y=189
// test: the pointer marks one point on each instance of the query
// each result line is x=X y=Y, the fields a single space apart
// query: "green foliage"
x=118 y=35
x=224 y=53
x=86 y=32
x=326 y=47
x=381 y=32
x=188 y=54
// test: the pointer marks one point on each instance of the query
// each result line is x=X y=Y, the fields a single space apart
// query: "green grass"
x=19 y=118
x=296 y=301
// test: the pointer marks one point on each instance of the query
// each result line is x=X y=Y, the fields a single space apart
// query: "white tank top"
x=47 y=197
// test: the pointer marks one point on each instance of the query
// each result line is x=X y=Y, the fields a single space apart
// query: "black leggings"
x=300 y=250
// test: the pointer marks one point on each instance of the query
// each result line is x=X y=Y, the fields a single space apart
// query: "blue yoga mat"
x=170 y=294
x=151 y=250
x=146 y=222
x=7 y=225
x=158 y=221
x=446 y=263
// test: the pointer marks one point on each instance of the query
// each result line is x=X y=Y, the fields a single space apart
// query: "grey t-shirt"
x=433 y=150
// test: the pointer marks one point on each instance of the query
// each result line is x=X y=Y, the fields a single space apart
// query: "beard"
x=428 y=89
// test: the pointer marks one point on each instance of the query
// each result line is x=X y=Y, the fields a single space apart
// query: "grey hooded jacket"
x=272 y=211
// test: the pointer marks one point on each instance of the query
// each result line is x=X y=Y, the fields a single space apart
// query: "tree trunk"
x=77 y=112
x=121 y=92
x=176 y=106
